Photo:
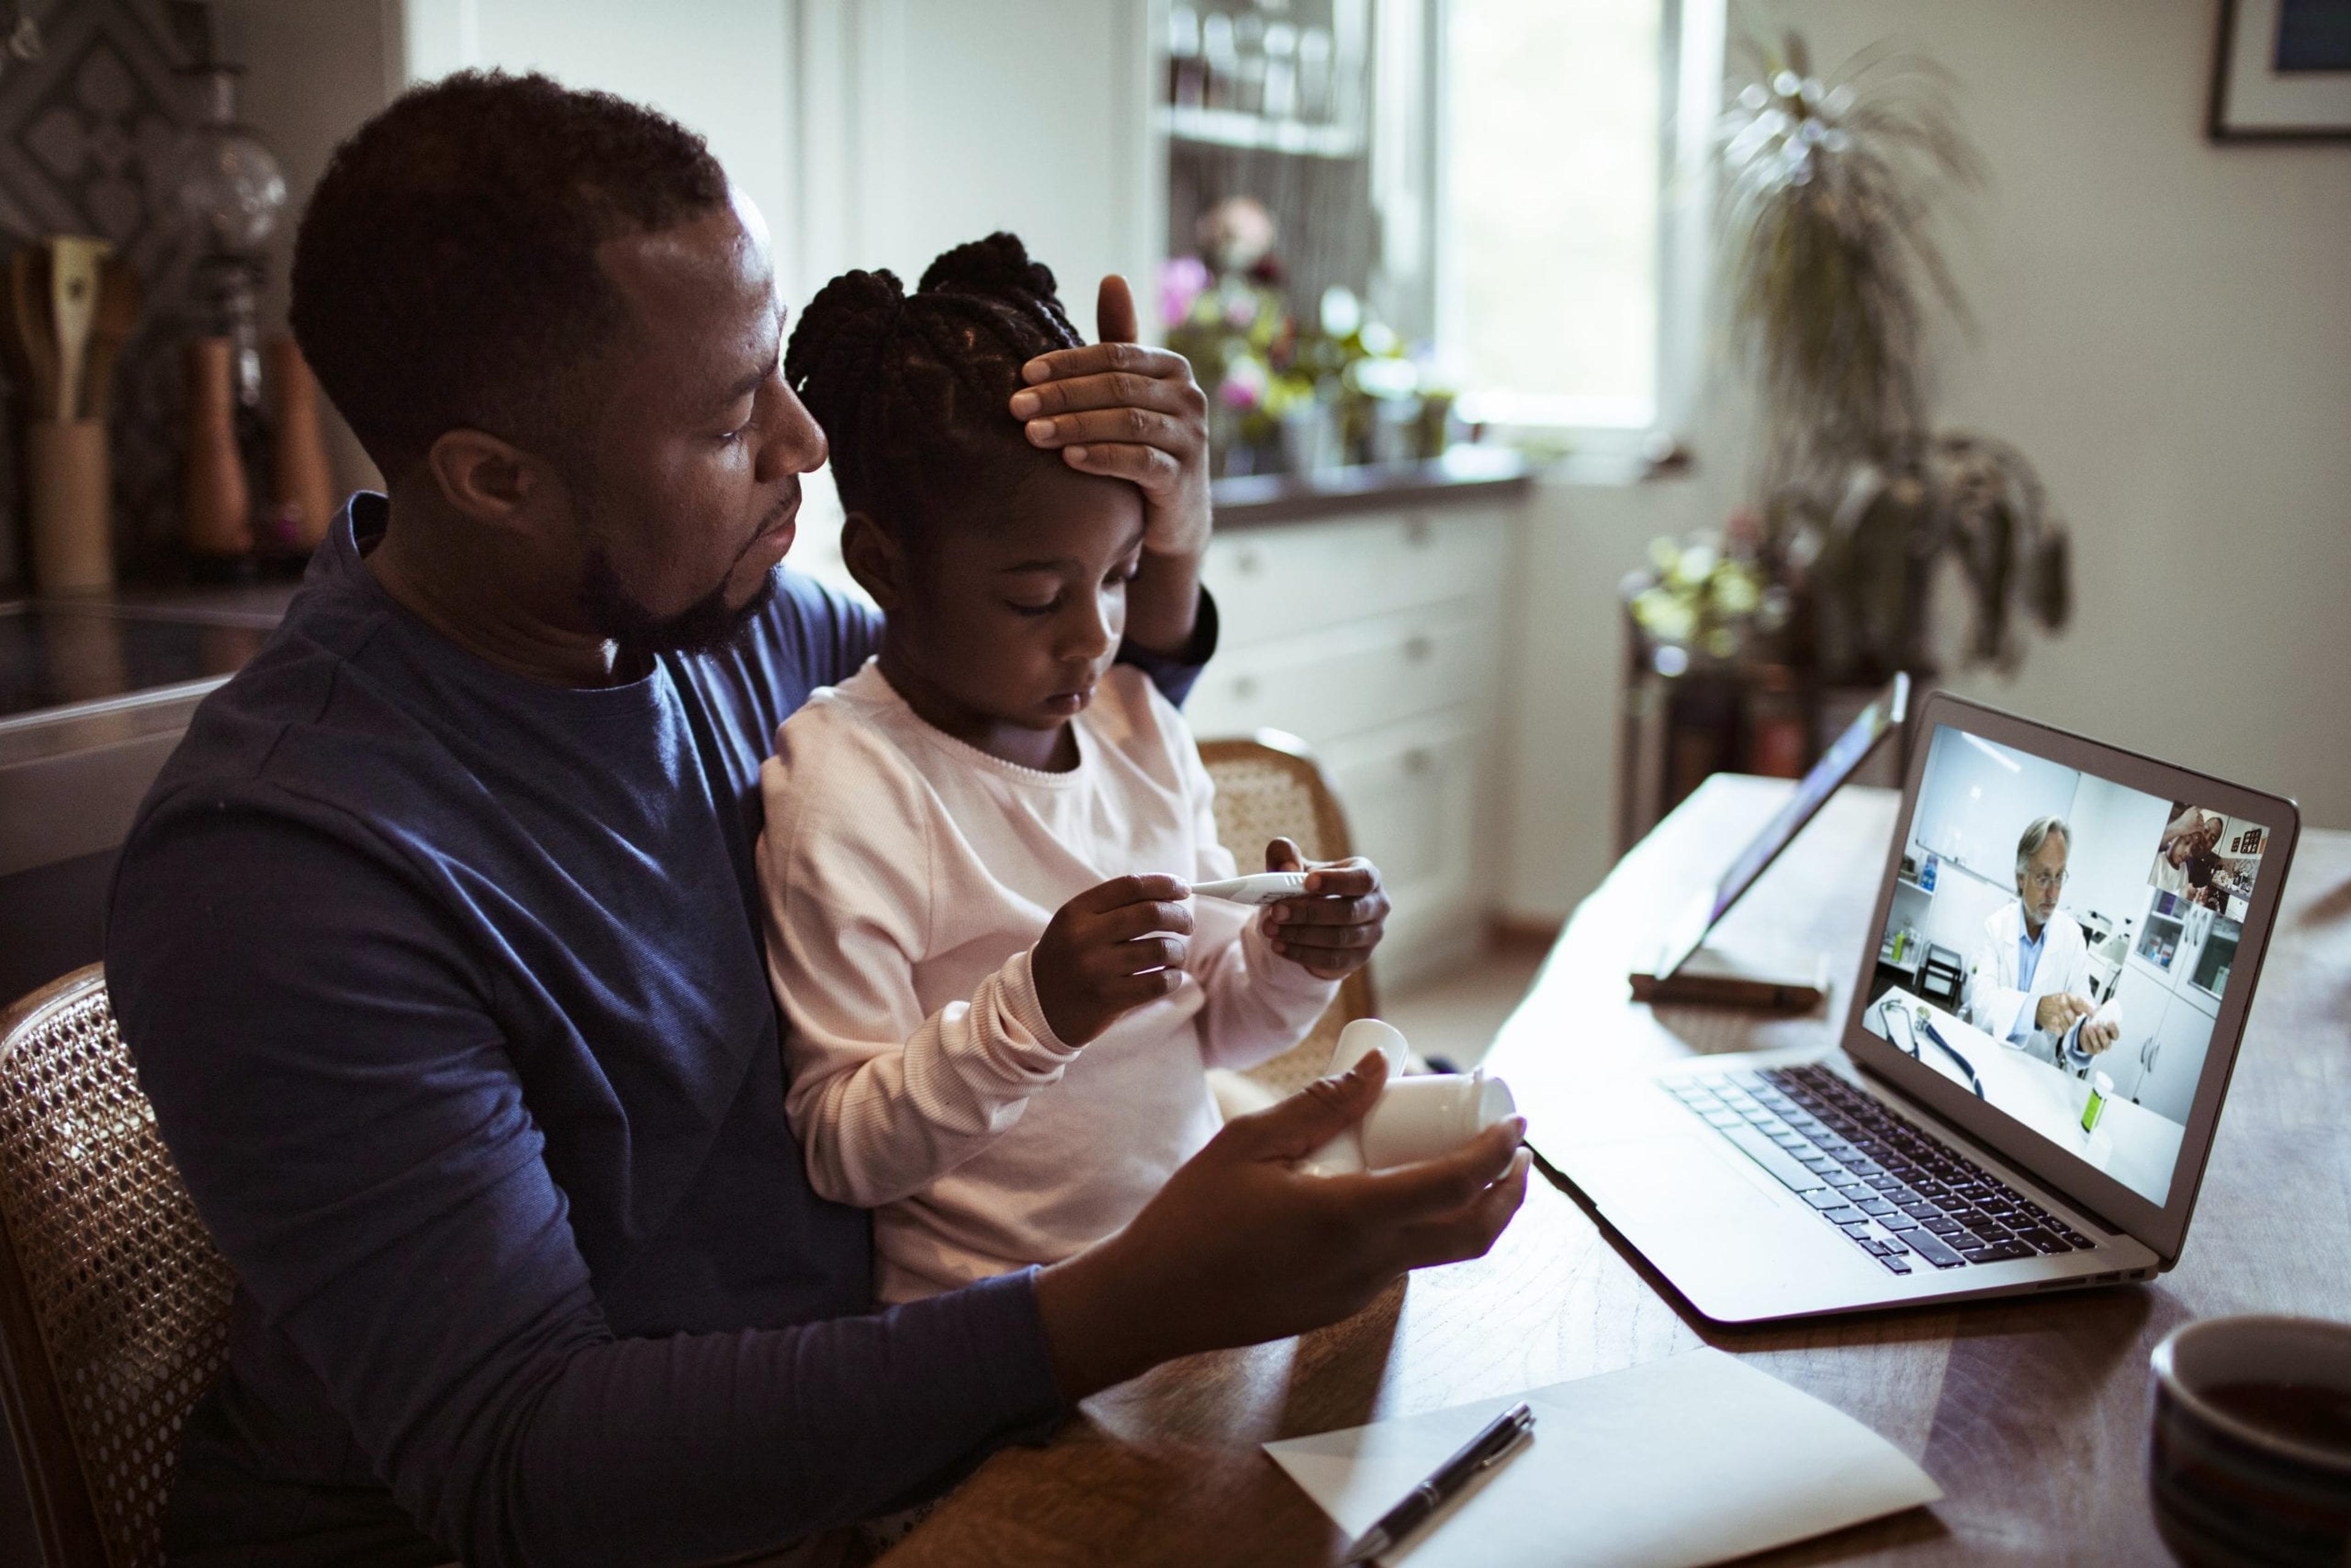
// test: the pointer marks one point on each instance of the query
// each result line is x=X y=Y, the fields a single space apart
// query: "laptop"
x=1682 y=971
x=1959 y=1139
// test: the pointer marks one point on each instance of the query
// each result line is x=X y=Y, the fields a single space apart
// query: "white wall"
x=872 y=132
x=2117 y=831
x=1567 y=651
x=729 y=75
x=1975 y=799
x=930 y=122
x=2165 y=329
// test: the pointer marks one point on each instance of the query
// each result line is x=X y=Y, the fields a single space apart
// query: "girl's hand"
x=1119 y=409
x=1332 y=931
x=1108 y=951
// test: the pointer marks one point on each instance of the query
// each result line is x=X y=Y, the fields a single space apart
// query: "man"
x=2028 y=983
x=2185 y=851
x=435 y=942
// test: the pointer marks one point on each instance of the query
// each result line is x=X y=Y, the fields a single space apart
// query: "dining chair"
x=114 y=1303
x=1270 y=786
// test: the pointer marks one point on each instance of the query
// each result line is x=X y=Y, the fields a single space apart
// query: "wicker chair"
x=1269 y=787
x=113 y=1301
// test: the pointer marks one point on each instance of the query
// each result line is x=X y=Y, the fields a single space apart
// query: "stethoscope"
x=1926 y=1022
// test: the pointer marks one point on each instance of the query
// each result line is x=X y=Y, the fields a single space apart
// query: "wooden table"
x=2031 y=1415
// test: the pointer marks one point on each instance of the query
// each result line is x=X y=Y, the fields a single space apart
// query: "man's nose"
x=794 y=442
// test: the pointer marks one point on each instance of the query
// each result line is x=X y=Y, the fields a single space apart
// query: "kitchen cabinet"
x=2182 y=1039
x=2170 y=1005
x=1377 y=639
x=94 y=695
x=2146 y=996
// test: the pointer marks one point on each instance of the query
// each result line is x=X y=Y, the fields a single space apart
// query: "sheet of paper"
x=1696 y=1458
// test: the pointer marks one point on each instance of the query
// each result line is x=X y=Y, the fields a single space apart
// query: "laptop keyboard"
x=1902 y=1197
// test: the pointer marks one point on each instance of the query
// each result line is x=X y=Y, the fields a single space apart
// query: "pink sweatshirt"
x=906 y=877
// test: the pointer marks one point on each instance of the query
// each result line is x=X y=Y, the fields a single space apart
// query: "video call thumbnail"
x=2061 y=945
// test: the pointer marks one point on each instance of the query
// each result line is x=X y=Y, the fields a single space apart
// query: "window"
x=1555 y=258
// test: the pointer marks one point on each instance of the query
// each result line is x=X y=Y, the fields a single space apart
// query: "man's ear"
x=490 y=481
x=875 y=558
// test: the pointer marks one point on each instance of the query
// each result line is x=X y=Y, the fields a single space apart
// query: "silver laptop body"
x=1945 y=1147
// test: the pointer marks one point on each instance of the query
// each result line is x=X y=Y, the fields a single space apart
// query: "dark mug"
x=2251 y=1463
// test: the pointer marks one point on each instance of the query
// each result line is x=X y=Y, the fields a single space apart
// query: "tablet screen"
x=1848 y=752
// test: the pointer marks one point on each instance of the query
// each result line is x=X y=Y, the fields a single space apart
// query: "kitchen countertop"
x=65 y=660
x=1464 y=474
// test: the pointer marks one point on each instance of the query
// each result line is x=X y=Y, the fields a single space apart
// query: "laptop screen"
x=2060 y=944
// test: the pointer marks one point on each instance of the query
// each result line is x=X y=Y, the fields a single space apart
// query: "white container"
x=1416 y=1118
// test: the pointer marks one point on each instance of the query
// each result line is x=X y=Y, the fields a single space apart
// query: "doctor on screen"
x=2031 y=979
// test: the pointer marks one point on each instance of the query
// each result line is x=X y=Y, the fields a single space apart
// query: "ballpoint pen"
x=1488 y=1447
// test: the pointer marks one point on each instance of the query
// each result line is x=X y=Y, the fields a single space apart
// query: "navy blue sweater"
x=447 y=988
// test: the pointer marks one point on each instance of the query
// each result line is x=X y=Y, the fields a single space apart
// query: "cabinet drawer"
x=1414 y=795
x=1357 y=677
x=1410 y=793
x=1277 y=582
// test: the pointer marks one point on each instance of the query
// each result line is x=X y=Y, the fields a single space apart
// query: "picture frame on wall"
x=2281 y=72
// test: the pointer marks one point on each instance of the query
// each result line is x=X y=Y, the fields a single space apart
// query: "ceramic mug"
x=2251 y=1460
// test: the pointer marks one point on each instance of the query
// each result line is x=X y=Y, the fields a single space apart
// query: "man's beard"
x=707 y=624
x=703 y=626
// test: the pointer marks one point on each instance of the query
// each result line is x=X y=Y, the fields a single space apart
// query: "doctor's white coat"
x=1995 y=999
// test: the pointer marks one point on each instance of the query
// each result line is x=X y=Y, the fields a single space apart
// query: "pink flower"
x=1244 y=386
x=1181 y=280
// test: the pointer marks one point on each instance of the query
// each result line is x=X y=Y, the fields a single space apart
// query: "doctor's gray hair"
x=2036 y=834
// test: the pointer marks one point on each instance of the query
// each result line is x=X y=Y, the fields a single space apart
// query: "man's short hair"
x=2036 y=833
x=445 y=274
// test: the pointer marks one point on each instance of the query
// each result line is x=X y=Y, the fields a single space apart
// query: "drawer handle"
x=1248 y=563
x=1245 y=687
x=1417 y=531
x=1419 y=647
x=1419 y=759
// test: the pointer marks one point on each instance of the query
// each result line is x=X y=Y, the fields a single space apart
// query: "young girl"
x=1001 y=1004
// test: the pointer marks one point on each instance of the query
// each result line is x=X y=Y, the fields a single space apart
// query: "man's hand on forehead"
x=1126 y=411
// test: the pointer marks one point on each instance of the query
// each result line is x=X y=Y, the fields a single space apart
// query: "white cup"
x=1416 y=1118
x=1365 y=1036
x=1421 y=1118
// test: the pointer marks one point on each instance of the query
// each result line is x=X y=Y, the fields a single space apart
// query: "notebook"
x=1696 y=1458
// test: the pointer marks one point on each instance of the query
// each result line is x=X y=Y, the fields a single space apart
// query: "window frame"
x=1690 y=65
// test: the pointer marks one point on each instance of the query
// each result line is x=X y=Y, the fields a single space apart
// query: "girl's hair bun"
x=912 y=389
x=854 y=312
x=998 y=265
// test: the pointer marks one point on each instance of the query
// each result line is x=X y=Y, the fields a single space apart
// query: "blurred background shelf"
x=1232 y=128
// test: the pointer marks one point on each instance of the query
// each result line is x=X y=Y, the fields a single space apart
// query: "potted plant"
x=1831 y=275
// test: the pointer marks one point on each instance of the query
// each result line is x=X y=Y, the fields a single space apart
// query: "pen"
x=1488 y=1447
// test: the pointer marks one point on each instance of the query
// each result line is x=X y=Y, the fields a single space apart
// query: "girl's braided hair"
x=912 y=389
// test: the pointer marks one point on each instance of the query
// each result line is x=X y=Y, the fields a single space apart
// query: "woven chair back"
x=1268 y=786
x=113 y=1301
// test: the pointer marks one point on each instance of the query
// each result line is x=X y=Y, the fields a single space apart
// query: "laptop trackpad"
x=1731 y=1239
